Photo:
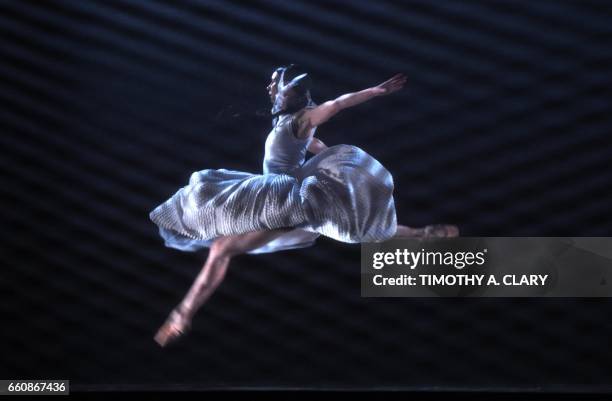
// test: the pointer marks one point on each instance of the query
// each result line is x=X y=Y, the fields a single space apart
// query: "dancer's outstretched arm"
x=327 y=110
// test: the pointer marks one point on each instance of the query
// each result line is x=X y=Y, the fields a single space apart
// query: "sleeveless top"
x=284 y=152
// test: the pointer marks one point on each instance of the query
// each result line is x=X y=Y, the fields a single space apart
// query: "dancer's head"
x=289 y=90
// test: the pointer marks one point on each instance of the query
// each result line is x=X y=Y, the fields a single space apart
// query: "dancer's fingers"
x=392 y=79
x=399 y=78
x=397 y=82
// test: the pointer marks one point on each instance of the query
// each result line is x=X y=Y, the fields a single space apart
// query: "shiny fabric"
x=342 y=193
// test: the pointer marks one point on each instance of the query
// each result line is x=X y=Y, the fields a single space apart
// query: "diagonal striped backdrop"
x=108 y=106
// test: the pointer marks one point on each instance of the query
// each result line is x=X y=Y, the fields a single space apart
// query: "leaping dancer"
x=341 y=192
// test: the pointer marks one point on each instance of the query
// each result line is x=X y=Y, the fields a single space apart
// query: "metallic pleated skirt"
x=342 y=193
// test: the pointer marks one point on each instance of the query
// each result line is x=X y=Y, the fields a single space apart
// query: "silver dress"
x=342 y=193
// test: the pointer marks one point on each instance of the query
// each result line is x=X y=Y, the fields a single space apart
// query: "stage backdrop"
x=109 y=106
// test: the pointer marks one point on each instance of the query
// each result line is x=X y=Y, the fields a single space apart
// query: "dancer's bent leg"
x=210 y=277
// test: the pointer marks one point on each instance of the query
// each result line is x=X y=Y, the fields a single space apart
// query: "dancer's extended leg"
x=209 y=278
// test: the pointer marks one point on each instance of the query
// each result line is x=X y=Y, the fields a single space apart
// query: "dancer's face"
x=273 y=86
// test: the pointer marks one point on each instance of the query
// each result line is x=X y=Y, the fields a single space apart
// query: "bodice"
x=284 y=153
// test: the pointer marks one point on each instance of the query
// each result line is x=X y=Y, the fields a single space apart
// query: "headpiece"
x=293 y=95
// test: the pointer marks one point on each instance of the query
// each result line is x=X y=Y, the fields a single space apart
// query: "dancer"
x=341 y=192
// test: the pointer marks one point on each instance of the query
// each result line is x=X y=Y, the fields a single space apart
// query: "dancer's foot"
x=175 y=326
x=409 y=232
x=440 y=231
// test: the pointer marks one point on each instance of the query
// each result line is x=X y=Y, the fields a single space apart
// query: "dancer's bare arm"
x=327 y=110
x=316 y=146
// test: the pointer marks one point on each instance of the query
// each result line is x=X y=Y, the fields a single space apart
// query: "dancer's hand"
x=391 y=85
x=175 y=326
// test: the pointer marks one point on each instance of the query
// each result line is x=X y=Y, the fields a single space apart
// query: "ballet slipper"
x=175 y=326
x=440 y=231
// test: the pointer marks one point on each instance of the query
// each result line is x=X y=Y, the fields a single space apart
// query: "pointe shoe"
x=173 y=328
x=440 y=231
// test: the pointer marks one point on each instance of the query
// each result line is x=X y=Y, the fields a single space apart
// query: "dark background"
x=108 y=106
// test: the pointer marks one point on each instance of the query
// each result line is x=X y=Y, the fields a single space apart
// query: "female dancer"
x=341 y=192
